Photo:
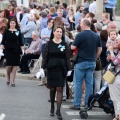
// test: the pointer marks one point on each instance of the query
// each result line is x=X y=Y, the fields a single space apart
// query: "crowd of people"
x=55 y=33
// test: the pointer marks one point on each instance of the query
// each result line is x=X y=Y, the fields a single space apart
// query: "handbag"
x=74 y=57
x=109 y=77
x=98 y=64
x=70 y=78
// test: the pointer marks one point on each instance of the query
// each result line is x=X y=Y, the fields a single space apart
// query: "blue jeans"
x=83 y=70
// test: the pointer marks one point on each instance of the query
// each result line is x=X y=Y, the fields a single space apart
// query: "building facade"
x=5 y=3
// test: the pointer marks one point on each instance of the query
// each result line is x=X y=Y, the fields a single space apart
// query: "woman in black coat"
x=12 y=44
x=57 y=62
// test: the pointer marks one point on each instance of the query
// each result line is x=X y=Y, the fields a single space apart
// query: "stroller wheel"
x=83 y=114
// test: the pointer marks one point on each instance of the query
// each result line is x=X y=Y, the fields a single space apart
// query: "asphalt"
x=27 y=101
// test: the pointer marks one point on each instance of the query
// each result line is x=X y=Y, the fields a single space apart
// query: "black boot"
x=52 y=111
x=59 y=116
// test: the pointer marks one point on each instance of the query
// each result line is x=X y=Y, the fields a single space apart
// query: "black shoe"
x=13 y=85
x=7 y=83
x=52 y=112
x=26 y=72
x=74 y=108
x=59 y=116
x=20 y=71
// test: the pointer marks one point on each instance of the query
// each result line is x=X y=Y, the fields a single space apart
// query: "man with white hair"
x=98 y=27
x=33 y=52
x=27 y=30
x=112 y=26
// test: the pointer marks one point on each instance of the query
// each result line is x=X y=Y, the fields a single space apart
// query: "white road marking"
x=89 y=113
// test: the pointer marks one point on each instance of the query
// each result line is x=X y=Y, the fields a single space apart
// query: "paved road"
x=27 y=101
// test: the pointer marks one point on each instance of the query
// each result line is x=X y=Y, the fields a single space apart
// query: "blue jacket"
x=111 y=4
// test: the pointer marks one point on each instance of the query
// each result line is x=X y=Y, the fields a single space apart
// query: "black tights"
x=53 y=91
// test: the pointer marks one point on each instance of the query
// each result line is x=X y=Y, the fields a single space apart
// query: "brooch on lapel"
x=62 y=48
x=17 y=33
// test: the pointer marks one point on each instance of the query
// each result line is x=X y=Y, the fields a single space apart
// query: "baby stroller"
x=103 y=101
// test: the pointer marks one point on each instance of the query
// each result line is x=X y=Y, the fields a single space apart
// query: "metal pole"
x=99 y=10
x=21 y=1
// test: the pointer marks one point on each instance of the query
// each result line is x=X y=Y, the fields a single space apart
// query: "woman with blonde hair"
x=71 y=20
x=105 y=19
x=37 y=20
x=52 y=12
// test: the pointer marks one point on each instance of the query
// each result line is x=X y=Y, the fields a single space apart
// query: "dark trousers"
x=27 y=40
x=110 y=11
x=25 y=59
x=43 y=48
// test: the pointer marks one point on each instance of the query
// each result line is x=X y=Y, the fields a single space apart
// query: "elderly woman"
x=33 y=52
x=27 y=30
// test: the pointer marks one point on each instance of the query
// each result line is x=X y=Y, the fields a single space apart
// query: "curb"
x=30 y=77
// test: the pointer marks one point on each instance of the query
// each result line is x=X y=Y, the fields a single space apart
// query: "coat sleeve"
x=45 y=57
x=20 y=39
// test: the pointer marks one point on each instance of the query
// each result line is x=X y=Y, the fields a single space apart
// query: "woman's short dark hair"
x=104 y=35
x=15 y=20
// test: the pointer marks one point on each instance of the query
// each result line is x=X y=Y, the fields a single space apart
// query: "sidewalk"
x=19 y=75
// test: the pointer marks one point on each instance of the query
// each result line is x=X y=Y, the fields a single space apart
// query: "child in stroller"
x=103 y=99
